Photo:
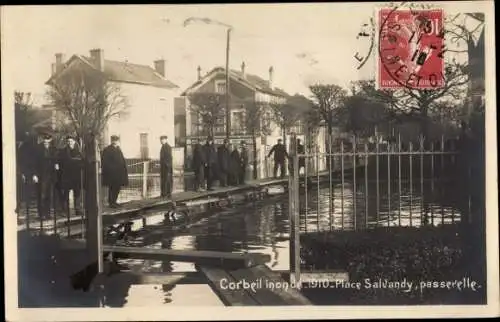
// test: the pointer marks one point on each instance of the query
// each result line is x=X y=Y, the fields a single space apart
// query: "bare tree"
x=286 y=115
x=328 y=100
x=409 y=103
x=88 y=100
x=254 y=121
x=24 y=120
x=209 y=109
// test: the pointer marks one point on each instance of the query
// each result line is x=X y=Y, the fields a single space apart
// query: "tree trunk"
x=424 y=119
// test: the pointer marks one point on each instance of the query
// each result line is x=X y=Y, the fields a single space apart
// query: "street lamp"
x=228 y=38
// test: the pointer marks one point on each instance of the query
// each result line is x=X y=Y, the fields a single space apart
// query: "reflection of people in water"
x=167 y=267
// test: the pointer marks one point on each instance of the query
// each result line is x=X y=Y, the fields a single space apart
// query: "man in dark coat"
x=224 y=155
x=210 y=162
x=199 y=162
x=243 y=162
x=114 y=170
x=44 y=174
x=71 y=163
x=234 y=167
x=166 y=165
x=280 y=155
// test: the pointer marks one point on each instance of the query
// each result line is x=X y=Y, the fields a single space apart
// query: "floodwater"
x=263 y=227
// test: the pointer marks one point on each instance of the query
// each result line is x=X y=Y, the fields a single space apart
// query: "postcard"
x=265 y=161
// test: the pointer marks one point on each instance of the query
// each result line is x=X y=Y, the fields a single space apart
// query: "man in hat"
x=71 y=162
x=114 y=170
x=210 y=161
x=198 y=165
x=280 y=155
x=243 y=162
x=44 y=174
x=166 y=165
x=223 y=157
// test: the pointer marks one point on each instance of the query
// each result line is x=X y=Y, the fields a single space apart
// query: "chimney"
x=271 y=74
x=199 y=72
x=160 y=66
x=97 y=56
x=243 y=69
x=54 y=69
x=59 y=61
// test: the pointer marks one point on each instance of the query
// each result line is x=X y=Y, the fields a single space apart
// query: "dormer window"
x=220 y=86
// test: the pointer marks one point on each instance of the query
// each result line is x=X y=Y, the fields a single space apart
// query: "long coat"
x=114 y=168
x=279 y=151
x=71 y=166
x=44 y=163
x=235 y=163
x=223 y=154
x=166 y=163
x=199 y=157
x=210 y=154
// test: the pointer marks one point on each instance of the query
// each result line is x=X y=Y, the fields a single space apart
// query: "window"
x=237 y=122
x=220 y=86
x=144 y=145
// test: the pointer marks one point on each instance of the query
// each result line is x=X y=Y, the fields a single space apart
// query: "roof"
x=128 y=73
x=255 y=82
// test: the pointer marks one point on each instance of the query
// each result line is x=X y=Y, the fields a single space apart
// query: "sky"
x=305 y=43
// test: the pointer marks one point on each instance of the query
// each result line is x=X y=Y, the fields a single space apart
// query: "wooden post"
x=145 y=168
x=294 y=214
x=92 y=204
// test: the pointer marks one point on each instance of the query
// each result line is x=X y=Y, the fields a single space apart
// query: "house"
x=244 y=88
x=148 y=93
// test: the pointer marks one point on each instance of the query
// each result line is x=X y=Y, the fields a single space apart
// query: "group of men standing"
x=115 y=173
x=224 y=163
x=52 y=171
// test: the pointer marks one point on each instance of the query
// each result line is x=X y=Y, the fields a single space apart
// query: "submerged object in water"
x=275 y=190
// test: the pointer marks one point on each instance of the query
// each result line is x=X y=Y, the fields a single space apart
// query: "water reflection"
x=383 y=204
x=263 y=227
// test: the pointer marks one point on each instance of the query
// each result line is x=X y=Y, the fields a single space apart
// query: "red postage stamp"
x=411 y=48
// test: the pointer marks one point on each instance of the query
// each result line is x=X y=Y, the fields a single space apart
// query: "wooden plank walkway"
x=253 y=286
x=207 y=258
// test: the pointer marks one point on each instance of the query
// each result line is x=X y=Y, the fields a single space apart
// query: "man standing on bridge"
x=198 y=165
x=280 y=155
x=210 y=161
x=114 y=170
x=44 y=174
x=71 y=161
x=243 y=162
x=223 y=156
x=166 y=165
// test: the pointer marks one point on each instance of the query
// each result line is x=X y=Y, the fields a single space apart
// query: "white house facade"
x=149 y=98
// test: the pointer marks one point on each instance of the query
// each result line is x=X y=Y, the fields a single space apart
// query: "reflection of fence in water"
x=393 y=185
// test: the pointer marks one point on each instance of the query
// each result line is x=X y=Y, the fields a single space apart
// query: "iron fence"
x=64 y=218
x=359 y=186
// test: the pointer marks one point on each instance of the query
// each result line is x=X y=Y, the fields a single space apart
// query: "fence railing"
x=64 y=218
x=373 y=185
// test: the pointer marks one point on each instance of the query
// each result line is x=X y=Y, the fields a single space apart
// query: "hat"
x=115 y=138
x=70 y=137
x=163 y=137
x=46 y=136
x=243 y=142
x=210 y=138
x=226 y=141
